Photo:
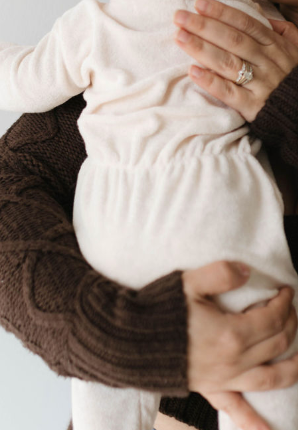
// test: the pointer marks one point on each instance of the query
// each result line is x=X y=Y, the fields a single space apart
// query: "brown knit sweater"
x=82 y=324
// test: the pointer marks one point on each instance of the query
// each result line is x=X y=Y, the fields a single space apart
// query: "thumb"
x=286 y=29
x=215 y=278
x=239 y=411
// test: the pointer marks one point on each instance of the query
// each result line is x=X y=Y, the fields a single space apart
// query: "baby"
x=171 y=179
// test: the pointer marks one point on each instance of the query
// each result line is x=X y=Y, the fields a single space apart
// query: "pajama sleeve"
x=36 y=79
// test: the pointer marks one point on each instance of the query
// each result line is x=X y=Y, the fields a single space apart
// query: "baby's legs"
x=183 y=216
x=99 y=407
x=277 y=407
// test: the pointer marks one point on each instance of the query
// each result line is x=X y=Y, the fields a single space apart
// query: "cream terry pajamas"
x=171 y=180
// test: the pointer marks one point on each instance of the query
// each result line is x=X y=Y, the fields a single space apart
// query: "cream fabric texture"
x=171 y=180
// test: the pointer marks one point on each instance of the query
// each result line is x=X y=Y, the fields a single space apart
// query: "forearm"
x=79 y=322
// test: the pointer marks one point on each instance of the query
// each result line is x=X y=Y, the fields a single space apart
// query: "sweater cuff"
x=280 y=113
x=149 y=332
x=193 y=410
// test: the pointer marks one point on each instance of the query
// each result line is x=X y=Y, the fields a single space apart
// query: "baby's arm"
x=36 y=79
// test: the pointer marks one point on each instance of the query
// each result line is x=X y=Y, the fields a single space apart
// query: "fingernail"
x=202 y=5
x=242 y=269
x=183 y=36
x=196 y=72
x=181 y=17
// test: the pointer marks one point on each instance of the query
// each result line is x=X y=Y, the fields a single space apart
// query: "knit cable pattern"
x=80 y=323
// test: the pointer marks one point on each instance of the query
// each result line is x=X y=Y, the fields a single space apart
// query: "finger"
x=222 y=62
x=222 y=48
x=222 y=36
x=240 y=412
x=237 y=97
x=279 y=26
x=267 y=377
x=206 y=40
x=273 y=347
x=215 y=278
x=278 y=49
x=236 y=19
x=259 y=324
x=286 y=29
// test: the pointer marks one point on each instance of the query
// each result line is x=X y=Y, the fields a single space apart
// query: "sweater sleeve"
x=79 y=322
x=277 y=122
x=38 y=78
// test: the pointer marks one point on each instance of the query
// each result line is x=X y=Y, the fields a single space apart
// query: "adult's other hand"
x=227 y=352
x=220 y=38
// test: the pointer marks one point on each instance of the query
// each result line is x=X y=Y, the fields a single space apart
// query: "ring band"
x=245 y=75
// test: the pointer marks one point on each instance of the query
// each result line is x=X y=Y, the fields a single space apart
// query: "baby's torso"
x=142 y=106
x=170 y=172
x=171 y=180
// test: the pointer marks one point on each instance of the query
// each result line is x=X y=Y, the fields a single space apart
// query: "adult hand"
x=219 y=38
x=227 y=352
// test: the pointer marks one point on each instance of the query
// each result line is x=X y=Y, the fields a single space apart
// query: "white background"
x=32 y=397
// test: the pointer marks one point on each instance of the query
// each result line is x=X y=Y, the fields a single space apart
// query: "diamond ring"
x=245 y=75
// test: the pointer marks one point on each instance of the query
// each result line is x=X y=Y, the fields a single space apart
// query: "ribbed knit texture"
x=57 y=305
x=193 y=410
x=277 y=123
